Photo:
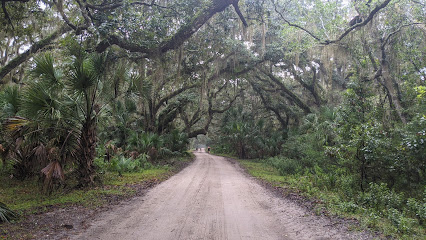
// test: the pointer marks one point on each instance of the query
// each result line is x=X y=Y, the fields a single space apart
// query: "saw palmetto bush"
x=6 y=215
x=9 y=106
x=248 y=137
x=56 y=127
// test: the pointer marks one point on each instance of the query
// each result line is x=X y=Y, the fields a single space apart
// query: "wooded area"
x=333 y=92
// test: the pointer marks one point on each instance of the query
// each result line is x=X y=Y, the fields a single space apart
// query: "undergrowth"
x=25 y=197
x=378 y=208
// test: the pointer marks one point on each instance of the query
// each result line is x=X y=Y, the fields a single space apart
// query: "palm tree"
x=42 y=134
x=60 y=111
x=84 y=78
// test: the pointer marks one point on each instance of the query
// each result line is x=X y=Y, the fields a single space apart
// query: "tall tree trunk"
x=87 y=153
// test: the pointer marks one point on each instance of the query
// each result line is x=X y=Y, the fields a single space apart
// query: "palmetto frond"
x=13 y=124
x=82 y=75
x=144 y=87
x=45 y=70
x=6 y=214
x=99 y=63
x=52 y=171
x=40 y=103
x=9 y=101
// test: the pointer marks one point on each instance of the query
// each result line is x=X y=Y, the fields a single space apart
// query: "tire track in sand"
x=212 y=199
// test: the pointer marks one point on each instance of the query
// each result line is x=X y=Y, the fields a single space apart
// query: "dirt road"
x=212 y=199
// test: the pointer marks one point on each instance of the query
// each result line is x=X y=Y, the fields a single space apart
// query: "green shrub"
x=123 y=164
x=285 y=165
x=417 y=210
x=6 y=214
x=142 y=161
x=348 y=207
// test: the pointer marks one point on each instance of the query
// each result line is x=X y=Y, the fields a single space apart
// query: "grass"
x=26 y=197
x=263 y=171
x=330 y=202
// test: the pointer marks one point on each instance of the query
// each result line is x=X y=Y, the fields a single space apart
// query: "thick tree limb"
x=363 y=23
x=103 y=7
x=84 y=13
x=33 y=49
x=384 y=71
x=59 y=7
x=172 y=95
x=266 y=104
x=177 y=39
x=211 y=113
x=309 y=87
x=186 y=31
x=238 y=11
x=114 y=40
x=345 y=33
x=6 y=14
x=287 y=91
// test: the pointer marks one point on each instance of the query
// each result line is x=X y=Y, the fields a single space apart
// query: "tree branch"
x=176 y=40
x=346 y=32
x=172 y=95
x=237 y=10
x=294 y=25
x=289 y=93
x=33 y=49
x=268 y=106
x=59 y=6
x=385 y=41
x=6 y=15
x=119 y=4
x=363 y=23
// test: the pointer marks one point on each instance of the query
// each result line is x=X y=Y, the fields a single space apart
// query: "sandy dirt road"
x=212 y=199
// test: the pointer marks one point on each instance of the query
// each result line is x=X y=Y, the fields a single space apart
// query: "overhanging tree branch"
x=363 y=23
x=177 y=39
x=6 y=14
x=238 y=11
x=292 y=24
x=172 y=95
x=267 y=105
x=346 y=32
x=287 y=91
x=103 y=7
x=33 y=49
x=59 y=7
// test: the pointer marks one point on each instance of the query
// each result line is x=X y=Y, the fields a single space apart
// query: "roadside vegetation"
x=349 y=163
x=27 y=197
x=370 y=208
x=347 y=159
